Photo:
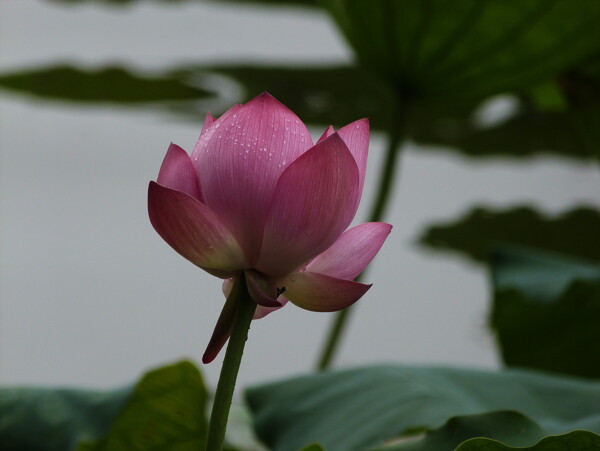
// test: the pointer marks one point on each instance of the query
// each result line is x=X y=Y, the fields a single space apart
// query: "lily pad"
x=48 y=419
x=166 y=411
x=364 y=407
x=573 y=441
x=166 y=408
x=505 y=426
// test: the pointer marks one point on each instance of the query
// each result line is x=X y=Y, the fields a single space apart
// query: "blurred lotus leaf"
x=433 y=49
x=572 y=441
x=318 y=94
x=106 y=85
x=506 y=429
x=164 y=410
x=307 y=3
x=365 y=407
x=477 y=233
x=167 y=410
x=56 y=419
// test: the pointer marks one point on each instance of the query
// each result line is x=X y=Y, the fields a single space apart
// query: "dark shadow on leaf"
x=581 y=87
x=546 y=311
x=527 y=133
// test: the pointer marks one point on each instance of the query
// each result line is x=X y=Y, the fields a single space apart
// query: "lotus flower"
x=257 y=197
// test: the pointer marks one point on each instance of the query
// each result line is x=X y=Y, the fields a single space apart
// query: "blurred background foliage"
x=425 y=72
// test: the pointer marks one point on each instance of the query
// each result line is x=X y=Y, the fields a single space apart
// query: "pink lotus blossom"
x=257 y=196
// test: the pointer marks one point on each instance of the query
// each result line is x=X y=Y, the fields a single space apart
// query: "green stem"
x=244 y=311
x=396 y=135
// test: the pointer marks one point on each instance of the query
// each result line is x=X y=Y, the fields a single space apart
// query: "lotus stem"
x=244 y=311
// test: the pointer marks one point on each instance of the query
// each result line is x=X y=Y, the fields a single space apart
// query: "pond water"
x=90 y=295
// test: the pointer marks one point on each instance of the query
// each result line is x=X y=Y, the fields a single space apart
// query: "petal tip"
x=208 y=121
x=266 y=100
x=208 y=357
x=337 y=139
x=364 y=121
x=152 y=187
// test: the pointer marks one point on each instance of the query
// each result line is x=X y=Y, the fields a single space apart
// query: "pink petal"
x=328 y=132
x=222 y=329
x=177 y=172
x=261 y=290
x=240 y=160
x=261 y=311
x=321 y=293
x=314 y=202
x=194 y=231
x=352 y=252
x=356 y=137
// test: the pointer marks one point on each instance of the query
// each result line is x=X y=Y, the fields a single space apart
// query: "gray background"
x=89 y=293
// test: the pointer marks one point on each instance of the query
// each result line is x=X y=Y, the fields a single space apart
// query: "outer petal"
x=240 y=160
x=352 y=252
x=262 y=291
x=177 y=172
x=222 y=329
x=194 y=231
x=356 y=137
x=227 y=286
x=321 y=293
x=261 y=311
x=314 y=202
